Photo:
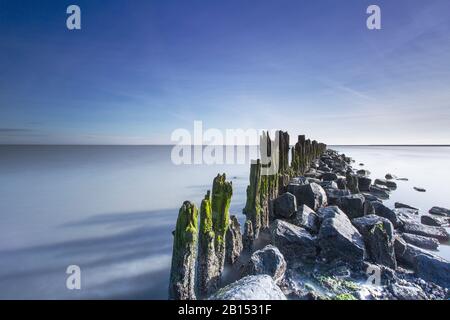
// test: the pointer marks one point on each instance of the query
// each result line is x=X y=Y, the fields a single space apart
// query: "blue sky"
x=140 y=69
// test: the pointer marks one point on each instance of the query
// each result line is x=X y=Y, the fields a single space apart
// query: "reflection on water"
x=111 y=211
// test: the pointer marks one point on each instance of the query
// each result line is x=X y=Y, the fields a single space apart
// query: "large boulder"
x=333 y=195
x=433 y=268
x=383 y=211
x=352 y=205
x=421 y=241
x=425 y=264
x=259 y=287
x=306 y=218
x=311 y=194
x=440 y=211
x=285 y=205
x=422 y=230
x=294 y=242
x=338 y=238
x=379 y=192
x=378 y=234
x=268 y=261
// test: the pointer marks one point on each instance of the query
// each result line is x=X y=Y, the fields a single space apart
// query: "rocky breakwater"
x=316 y=229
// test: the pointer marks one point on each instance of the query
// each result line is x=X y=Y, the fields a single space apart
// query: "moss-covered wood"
x=184 y=255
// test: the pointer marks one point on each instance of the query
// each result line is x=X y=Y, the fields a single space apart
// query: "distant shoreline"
x=171 y=145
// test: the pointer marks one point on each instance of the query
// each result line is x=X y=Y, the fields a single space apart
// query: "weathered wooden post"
x=182 y=273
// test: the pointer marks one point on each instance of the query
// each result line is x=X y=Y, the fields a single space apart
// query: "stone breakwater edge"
x=316 y=229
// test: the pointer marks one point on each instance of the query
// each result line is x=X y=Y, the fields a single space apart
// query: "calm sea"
x=111 y=209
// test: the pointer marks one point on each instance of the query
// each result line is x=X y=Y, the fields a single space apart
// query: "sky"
x=138 y=70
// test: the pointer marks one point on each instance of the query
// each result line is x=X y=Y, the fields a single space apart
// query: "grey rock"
x=329 y=176
x=421 y=241
x=285 y=205
x=383 y=211
x=312 y=194
x=389 y=176
x=409 y=292
x=432 y=220
x=433 y=268
x=294 y=242
x=399 y=205
x=383 y=182
x=426 y=231
x=378 y=234
x=364 y=183
x=418 y=189
x=363 y=172
x=259 y=287
x=306 y=218
x=379 y=192
x=352 y=182
x=329 y=185
x=440 y=211
x=338 y=238
x=333 y=195
x=352 y=205
x=268 y=261
x=233 y=239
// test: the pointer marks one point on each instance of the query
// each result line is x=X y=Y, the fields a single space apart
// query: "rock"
x=234 y=244
x=329 y=176
x=363 y=172
x=361 y=164
x=333 y=195
x=342 y=183
x=432 y=221
x=426 y=231
x=421 y=241
x=294 y=242
x=352 y=182
x=420 y=189
x=306 y=218
x=285 y=205
x=433 y=268
x=389 y=176
x=378 y=234
x=338 y=238
x=387 y=183
x=440 y=211
x=401 y=179
x=399 y=205
x=268 y=261
x=425 y=264
x=352 y=205
x=259 y=287
x=329 y=185
x=364 y=183
x=311 y=194
x=383 y=211
x=379 y=192
x=411 y=292
x=182 y=272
